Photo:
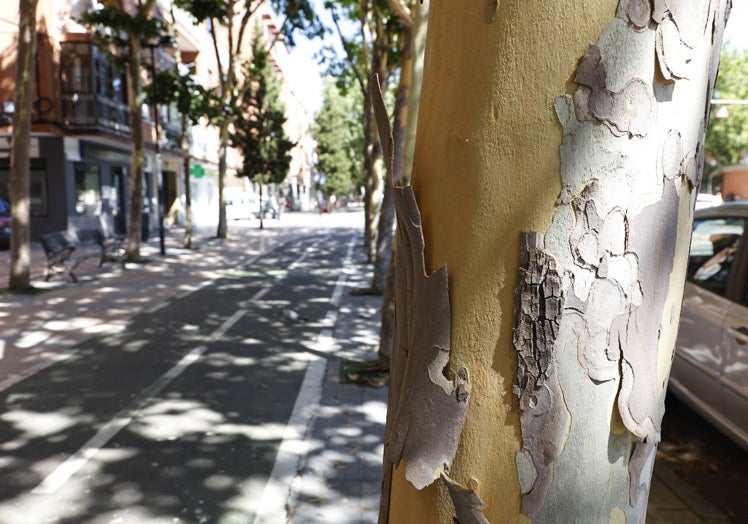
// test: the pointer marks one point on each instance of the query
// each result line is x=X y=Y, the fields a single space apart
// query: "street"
x=178 y=415
x=188 y=390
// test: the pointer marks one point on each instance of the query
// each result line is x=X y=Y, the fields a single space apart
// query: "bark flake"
x=641 y=466
x=638 y=13
x=426 y=408
x=468 y=505
x=628 y=112
x=544 y=418
x=681 y=23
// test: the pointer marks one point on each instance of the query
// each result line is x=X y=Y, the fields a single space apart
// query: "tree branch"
x=348 y=53
x=403 y=12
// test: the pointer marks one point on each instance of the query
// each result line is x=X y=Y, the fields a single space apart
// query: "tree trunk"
x=418 y=43
x=136 y=173
x=262 y=210
x=185 y=145
x=371 y=153
x=223 y=133
x=386 y=226
x=556 y=181
x=18 y=185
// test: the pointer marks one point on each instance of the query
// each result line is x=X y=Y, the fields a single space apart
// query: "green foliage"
x=114 y=28
x=727 y=138
x=203 y=10
x=340 y=137
x=299 y=14
x=191 y=98
x=258 y=129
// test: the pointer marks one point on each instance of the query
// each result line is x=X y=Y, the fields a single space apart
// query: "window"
x=714 y=244
x=37 y=187
x=87 y=189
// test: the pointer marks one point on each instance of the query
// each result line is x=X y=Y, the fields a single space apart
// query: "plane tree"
x=19 y=278
x=227 y=22
x=258 y=132
x=541 y=256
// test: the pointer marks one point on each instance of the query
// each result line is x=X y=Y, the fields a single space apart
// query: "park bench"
x=60 y=249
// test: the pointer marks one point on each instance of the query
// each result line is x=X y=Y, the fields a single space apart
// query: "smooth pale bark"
x=567 y=410
x=18 y=185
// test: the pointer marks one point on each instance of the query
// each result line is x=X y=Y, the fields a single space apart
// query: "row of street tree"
x=539 y=259
x=244 y=105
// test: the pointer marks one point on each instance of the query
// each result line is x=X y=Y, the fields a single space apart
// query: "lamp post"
x=157 y=148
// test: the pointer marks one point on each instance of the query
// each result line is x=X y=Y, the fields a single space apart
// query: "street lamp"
x=152 y=45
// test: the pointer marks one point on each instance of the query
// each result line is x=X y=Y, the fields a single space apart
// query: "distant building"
x=80 y=146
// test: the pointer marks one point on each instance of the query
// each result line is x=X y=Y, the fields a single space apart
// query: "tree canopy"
x=339 y=136
x=258 y=130
x=727 y=138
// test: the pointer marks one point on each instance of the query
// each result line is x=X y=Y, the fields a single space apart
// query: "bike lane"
x=177 y=418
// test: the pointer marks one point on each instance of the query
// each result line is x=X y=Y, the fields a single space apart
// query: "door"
x=735 y=373
x=700 y=349
x=119 y=199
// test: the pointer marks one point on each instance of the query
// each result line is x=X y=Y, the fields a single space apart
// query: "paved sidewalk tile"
x=340 y=479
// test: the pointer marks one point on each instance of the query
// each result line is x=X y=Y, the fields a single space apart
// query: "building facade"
x=81 y=147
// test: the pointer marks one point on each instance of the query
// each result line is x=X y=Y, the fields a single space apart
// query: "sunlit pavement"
x=180 y=390
x=200 y=387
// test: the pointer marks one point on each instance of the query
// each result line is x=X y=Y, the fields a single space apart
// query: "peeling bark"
x=629 y=111
x=426 y=409
x=641 y=466
x=544 y=418
x=680 y=25
x=620 y=215
x=601 y=272
x=468 y=505
x=636 y=12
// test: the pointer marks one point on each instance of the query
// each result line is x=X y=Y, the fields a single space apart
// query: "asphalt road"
x=178 y=417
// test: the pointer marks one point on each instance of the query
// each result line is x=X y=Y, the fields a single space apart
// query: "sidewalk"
x=337 y=476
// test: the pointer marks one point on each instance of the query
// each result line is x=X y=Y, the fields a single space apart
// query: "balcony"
x=92 y=111
x=93 y=90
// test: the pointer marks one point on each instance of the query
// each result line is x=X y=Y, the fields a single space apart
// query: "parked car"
x=241 y=206
x=4 y=223
x=710 y=368
x=707 y=200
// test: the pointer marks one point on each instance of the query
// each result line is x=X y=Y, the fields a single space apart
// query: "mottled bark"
x=18 y=185
x=136 y=158
x=556 y=178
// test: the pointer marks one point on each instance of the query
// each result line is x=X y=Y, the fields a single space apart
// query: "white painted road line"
x=72 y=465
x=294 y=447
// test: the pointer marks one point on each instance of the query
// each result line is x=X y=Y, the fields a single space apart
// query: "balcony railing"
x=85 y=110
